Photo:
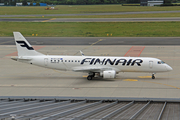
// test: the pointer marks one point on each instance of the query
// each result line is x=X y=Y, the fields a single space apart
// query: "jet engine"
x=109 y=74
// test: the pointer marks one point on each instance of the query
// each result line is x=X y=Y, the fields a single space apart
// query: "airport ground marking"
x=144 y=76
x=52 y=19
x=96 y=42
x=134 y=51
x=133 y=80
x=49 y=20
x=161 y=84
x=90 y=45
x=128 y=51
x=46 y=20
x=141 y=51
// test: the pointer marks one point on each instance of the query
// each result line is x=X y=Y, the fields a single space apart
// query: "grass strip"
x=72 y=9
x=117 y=29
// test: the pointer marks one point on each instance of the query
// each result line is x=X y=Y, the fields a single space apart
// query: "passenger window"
x=78 y=61
x=65 y=60
x=75 y=61
x=72 y=60
x=69 y=61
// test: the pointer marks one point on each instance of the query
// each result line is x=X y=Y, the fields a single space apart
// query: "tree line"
x=68 y=2
x=76 y=2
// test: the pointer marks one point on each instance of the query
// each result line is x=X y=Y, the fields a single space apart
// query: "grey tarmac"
x=114 y=19
x=22 y=19
x=91 y=19
x=92 y=40
x=19 y=79
x=85 y=14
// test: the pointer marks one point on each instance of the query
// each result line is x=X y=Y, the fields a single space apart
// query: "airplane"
x=95 y=66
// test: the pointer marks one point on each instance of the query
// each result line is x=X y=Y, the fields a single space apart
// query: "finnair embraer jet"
x=106 y=67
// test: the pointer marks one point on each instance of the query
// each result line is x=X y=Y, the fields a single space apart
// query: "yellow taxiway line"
x=48 y=20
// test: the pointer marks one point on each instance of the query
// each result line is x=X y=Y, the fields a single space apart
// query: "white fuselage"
x=98 y=64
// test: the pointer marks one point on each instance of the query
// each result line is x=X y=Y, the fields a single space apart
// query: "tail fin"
x=23 y=46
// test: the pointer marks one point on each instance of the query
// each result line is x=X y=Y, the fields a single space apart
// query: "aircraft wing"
x=92 y=69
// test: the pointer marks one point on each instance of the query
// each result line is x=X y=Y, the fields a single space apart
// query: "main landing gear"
x=153 y=77
x=90 y=76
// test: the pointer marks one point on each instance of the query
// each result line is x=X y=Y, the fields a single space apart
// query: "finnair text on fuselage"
x=105 y=61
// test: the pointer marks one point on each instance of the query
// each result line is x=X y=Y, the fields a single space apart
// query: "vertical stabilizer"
x=23 y=46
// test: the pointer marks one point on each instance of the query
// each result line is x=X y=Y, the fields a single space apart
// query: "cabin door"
x=151 y=64
x=45 y=61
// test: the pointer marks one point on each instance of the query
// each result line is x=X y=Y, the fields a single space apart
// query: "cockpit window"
x=160 y=62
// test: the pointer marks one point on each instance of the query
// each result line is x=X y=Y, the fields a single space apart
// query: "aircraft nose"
x=168 y=68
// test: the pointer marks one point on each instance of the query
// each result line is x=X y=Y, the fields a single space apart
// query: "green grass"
x=113 y=16
x=71 y=9
x=120 y=29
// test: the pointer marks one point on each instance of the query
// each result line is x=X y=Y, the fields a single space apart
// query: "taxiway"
x=18 y=79
x=90 y=19
x=85 y=14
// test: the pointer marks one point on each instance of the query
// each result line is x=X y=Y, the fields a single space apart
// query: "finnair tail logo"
x=24 y=44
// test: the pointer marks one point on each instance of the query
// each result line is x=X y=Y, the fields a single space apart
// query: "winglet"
x=81 y=53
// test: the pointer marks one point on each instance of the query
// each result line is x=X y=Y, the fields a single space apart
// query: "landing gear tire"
x=153 y=77
x=93 y=74
x=89 y=77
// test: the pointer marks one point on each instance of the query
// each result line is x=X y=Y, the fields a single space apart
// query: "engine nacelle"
x=109 y=74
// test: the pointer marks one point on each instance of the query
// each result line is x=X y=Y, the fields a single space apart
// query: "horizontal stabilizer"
x=22 y=59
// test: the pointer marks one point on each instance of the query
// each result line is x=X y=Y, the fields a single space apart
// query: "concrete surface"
x=90 y=19
x=85 y=14
x=95 y=40
x=19 y=79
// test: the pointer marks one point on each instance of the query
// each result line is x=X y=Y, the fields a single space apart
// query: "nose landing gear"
x=153 y=77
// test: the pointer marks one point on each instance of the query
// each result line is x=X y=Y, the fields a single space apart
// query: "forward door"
x=150 y=64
